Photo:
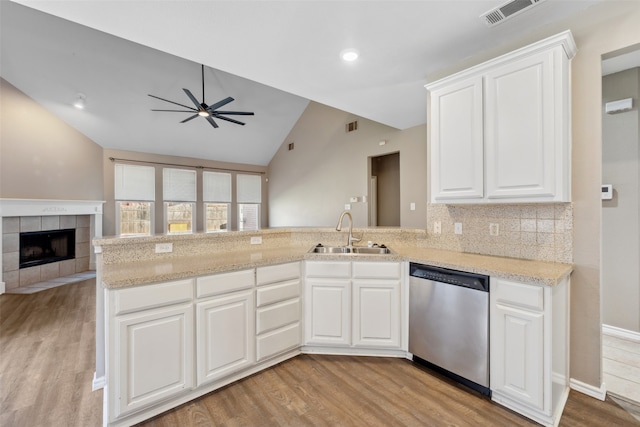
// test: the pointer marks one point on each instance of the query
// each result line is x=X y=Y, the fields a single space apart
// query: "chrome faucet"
x=350 y=239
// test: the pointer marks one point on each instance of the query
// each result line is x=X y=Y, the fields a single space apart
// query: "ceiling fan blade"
x=236 y=113
x=229 y=120
x=192 y=98
x=176 y=111
x=219 y=104
x=166 y=100
x=210 y=120
x=190 y=118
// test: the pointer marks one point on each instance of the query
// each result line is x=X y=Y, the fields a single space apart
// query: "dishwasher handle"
x=478 y=282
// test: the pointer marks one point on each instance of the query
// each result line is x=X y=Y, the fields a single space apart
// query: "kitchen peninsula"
x=187 y=314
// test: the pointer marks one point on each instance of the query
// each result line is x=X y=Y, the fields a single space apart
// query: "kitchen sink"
x=352 y=250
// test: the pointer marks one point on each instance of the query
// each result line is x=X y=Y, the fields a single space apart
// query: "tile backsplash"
x=533 y=231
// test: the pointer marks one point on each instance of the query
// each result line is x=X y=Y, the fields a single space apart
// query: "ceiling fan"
x=204 y=110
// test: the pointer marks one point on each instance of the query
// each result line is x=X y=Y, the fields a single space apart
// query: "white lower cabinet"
x=224 y=335
x=152 y=348
x=529 y=348
x=376 y=313
x=517 y=353
x=353 y=304
x=328 y=311
x=278 y=310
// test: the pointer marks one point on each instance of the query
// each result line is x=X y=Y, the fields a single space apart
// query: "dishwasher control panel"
x=452 y=277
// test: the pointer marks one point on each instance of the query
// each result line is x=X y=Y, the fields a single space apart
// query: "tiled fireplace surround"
x=23 y=215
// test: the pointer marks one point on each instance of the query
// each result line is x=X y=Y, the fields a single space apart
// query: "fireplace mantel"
x=45 y=207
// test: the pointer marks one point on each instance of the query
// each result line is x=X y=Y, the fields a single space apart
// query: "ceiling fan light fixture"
x=81 y=101
x=203 y=113
x=349 y=55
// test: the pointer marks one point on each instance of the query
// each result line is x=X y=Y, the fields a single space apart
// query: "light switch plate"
x=437 y=227
x=256 y=240
x=347 y=207
x=494 y=229
x=412 y=206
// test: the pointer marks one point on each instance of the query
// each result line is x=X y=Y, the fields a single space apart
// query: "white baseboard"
x=621 y=333
x=98 y=383
x=599 y=393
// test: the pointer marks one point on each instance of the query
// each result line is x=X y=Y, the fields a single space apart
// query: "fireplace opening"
x=44 y=247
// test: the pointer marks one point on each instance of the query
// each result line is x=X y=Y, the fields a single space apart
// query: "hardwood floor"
x=47 y=363
x=47 y=358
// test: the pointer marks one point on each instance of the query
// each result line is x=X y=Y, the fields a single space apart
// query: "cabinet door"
x=522 y=126
x=328 y=312
x=457 y=141
x=225 y=335
x=155 y=356
x=376 y=313
x=517 y=351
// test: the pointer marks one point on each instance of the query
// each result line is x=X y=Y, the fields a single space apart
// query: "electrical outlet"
x=412 y=206
x=457 y=228
x=256 y=240
x=437 y=227
x=162 y=248
x=347 y=207
x=494 y=229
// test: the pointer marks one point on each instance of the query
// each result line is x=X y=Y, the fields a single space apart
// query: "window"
x=134 y=195
x=216 y=195
x=249 y=195
x=179 y=194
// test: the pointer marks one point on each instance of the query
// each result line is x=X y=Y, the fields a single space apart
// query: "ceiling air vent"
x=507 y=10
x=352 y=126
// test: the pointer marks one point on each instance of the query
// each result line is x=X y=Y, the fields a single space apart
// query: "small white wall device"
x=607 y=192
x=618 y=106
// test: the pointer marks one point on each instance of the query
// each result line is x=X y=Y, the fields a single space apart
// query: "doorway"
x=620 y=271
x=384 y=190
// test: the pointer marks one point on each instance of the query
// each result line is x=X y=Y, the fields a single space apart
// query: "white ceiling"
x=271 y=56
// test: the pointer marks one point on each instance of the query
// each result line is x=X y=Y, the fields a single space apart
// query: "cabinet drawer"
x=152 y=296
x=328 y=269
x=278 y=341
x=277 y=315
x=376 y=270
x=530 y=297
x=277 y=273
x=278 y=292
x=224 y=282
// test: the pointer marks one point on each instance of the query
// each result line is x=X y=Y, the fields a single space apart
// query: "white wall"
x=310 y=185
x=621 y=215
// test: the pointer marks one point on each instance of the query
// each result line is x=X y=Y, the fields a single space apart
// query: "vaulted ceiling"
x=271 y=56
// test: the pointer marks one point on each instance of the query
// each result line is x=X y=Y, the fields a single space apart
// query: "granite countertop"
x=144 y=272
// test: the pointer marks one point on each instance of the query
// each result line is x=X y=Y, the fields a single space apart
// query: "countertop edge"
x=526 y=271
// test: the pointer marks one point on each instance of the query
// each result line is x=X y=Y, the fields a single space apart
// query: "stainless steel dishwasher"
x=449 y=323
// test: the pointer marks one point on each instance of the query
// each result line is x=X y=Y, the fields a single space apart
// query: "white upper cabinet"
x=500 y=131
x=456 y=140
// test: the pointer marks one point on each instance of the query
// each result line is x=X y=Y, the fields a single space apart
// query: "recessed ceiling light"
x=80 y=102
x=349 y=55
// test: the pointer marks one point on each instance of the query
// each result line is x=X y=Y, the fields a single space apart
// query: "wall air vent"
x=509 y=9
x=351 y=126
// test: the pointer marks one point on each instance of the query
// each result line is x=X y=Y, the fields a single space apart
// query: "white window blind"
x=135 y=183
x=216 y=187
x=179 y=185
x=249 y=188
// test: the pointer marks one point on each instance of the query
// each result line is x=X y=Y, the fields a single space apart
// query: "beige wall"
x=160 y=162
x=310 y=185
x=606 y=27
x=621 y=215
x=41 y=157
